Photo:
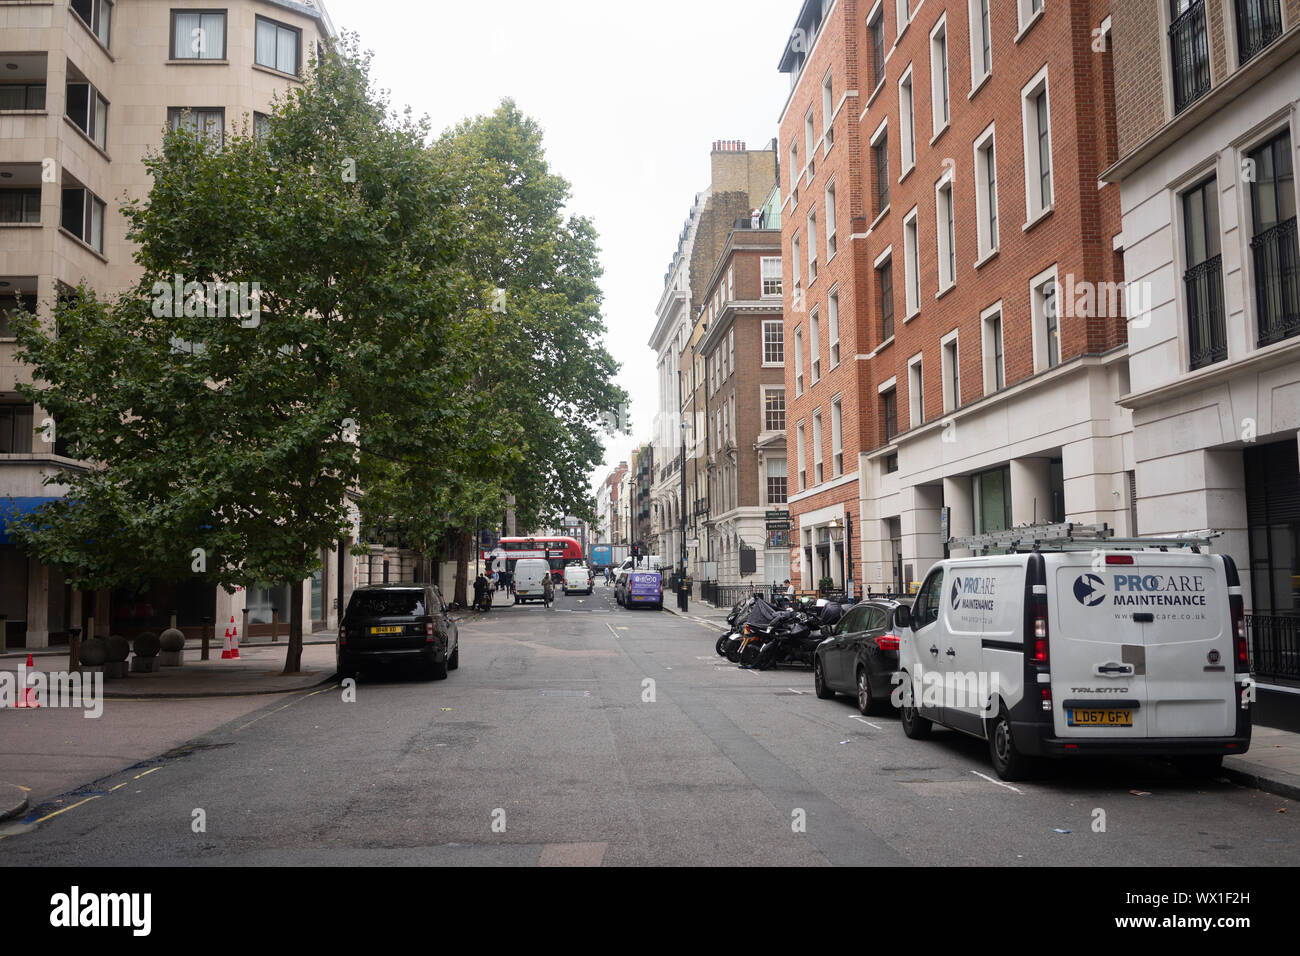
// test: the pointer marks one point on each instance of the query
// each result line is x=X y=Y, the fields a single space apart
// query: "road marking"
x=24 y=789
x=278 y=709
x=146 y=773
x=65 y=809
x=998 y=782
x=799 y=692
x=118 y=787
x=867 y=722
x=611 y=630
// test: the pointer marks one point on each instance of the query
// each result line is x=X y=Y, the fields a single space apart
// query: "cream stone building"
x=86 y=89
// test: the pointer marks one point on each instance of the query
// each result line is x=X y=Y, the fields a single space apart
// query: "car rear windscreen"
x=388 y=604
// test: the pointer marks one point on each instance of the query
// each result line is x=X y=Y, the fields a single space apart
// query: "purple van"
x=645 y=587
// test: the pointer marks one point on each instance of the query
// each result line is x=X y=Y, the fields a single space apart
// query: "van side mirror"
x=903 y=616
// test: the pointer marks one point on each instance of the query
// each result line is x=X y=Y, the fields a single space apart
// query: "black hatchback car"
x=398 y=624
x=861 y=656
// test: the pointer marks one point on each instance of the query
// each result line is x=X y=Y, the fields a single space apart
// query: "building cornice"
x=1286 y=352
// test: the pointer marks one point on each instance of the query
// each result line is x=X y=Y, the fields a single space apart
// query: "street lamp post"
x=681 y=585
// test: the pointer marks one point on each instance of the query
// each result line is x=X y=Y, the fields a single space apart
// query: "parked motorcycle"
x=793 y=637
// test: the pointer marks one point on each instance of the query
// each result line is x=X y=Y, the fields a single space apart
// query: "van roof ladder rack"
x=1068 y=536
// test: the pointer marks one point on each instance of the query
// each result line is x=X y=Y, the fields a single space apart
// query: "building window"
x=833 y=317
x=994 y=359
x=880 y=162
x=794 y=173
x=731 y=348
x=817 y=447
x=799 y=451
x=1038 y=147
x=1028 y=10
x=986 y=195
x=939 y=107
x=278 y=46
x=774 y=409
x=1047 y=325
x=1189 y=52
x=796 y=253
x=198 y=34
x=945 y=234
x=798 y=362
x=16 y=429
x=774 y=342
x=1259 y=23
x=1203 y=277
x=815 y=345
x=20 y=205
x=915 y=395
x=991 y=498
x=771 y=274
x=911 y=266
x=885 y=289
x=837 y=438
x=904 y=11
x=1273 y=241
x=22 y=96
x=812 y=246
x=88 y=111
x=96 y=14
x=810 y=144
x=207 y=122
x=891 y=463
x=831 y=239
x=778 y=492
x=907 y=121
x=13 y=304
x=262 y=125
x=83 y=216
x=889 y=413
x=951 y=371
x=876 y=31
x=981 y=42
x=828 y=113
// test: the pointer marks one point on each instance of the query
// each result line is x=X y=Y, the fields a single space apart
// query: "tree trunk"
x=462 y=568
x=293 y=655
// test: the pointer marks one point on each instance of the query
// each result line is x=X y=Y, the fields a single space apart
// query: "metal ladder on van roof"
x=1068 y=536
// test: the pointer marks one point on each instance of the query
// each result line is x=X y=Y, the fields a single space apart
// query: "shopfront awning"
x=15 y=509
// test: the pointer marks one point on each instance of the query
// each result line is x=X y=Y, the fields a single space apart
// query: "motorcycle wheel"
x=766 y=656
x=721 y=646
x=733 y=651
x=749 y=656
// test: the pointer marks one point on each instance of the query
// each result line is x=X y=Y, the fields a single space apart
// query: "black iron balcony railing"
x=1277 y=282
x=1205 y=326
x=1189 y=55
x=1259 y=23
x=1274 y=646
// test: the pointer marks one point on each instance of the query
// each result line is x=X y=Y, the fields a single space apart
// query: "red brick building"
x=954 y=285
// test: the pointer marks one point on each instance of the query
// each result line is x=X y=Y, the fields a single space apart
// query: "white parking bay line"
x=793 y=691
x=998 y=782
x=867 y=722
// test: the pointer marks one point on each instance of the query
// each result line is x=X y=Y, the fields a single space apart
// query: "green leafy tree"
x=245 y=434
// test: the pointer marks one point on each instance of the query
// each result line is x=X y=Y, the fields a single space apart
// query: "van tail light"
x=1040 y=630
x=1119 y=559
x=887 y=642
x=1046 y=694
x=1240 y=645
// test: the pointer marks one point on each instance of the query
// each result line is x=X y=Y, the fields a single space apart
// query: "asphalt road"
x=548 y=746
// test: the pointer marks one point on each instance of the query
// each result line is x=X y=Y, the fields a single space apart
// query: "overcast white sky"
x=631 y=97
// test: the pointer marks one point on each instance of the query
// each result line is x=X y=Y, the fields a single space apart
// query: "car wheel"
x=453 y=662
x=438 y=671
x=819 y=681
x=1198 y=765
x=915 y=726
x=1009 y=762
x=867 y=703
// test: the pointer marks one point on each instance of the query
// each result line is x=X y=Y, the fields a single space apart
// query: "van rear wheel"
x=915 y=726
x=1009 y=762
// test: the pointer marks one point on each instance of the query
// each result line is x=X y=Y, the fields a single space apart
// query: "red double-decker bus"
x=559 y=552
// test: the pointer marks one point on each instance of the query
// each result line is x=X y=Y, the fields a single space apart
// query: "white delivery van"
x=577 y=578
x=649 y=562
x=1118 y=648
x=533 y=581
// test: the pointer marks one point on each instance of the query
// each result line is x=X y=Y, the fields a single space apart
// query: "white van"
x=1082 y=651
x=533 y=581
x=649 y=562
x=577 y=578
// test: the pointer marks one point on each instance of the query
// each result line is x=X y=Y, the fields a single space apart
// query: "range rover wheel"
x=453 y=662
x=1009 y=762
x=819 y=681
x=915 y=726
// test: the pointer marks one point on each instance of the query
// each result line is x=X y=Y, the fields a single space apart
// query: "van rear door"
x=1140 y=645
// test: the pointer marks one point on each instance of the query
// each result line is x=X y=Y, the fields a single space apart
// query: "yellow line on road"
x=66 y=809
x=146 y=773
x=118 y=787
x=290 y=704
x=24 y=789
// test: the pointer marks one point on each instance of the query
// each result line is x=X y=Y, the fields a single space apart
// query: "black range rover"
x=398 y=624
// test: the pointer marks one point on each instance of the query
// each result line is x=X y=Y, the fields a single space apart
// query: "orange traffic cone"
x=231 y=650
x=29 y=694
